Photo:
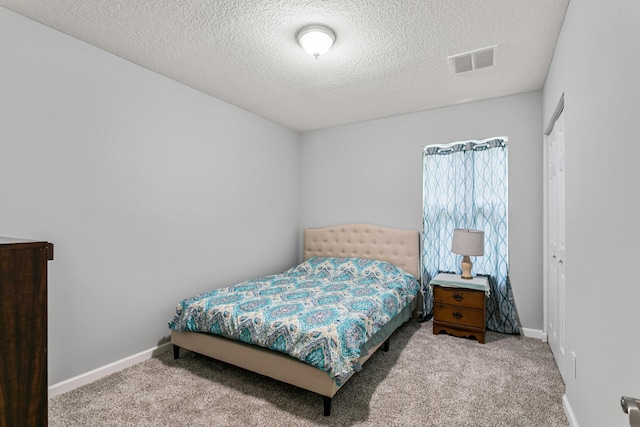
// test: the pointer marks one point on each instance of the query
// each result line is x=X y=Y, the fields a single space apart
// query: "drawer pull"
x=458 y=297
x=457 y=315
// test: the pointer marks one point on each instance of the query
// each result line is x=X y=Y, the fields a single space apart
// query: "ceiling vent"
x=480 y=58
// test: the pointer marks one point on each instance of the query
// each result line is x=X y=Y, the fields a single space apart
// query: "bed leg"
x=327 y=405
x=385 y=346
x=176 y=352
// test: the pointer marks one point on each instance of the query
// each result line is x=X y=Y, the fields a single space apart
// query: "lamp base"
x=466 y=265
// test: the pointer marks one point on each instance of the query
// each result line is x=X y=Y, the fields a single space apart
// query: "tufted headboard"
x=396 y=246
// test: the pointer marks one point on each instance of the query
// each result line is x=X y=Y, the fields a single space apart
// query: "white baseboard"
x=569 y=412
x=534 y=333
x=119 y=365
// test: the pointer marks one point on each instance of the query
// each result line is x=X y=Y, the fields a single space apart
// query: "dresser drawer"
x=459 y=297
x=459 y=315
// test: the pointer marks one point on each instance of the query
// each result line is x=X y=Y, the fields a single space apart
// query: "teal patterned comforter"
x=320 y=312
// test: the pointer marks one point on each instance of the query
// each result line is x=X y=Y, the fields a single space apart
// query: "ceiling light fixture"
x=316 y=39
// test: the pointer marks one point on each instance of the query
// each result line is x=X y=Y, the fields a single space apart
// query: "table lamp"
x=467 y=243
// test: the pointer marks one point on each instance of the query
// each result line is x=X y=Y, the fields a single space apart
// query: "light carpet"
x=424 y=379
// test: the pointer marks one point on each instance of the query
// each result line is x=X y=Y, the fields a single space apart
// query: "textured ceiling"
x=389 y=58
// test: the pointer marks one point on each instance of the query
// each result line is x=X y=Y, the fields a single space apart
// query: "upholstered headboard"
x=396 y=246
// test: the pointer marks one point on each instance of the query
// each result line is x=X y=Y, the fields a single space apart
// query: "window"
x=465 y=186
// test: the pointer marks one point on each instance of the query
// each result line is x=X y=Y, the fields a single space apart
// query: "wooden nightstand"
x=459 y=305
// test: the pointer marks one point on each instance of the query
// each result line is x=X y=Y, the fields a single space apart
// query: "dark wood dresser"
x=23 y=332
x=459 y=306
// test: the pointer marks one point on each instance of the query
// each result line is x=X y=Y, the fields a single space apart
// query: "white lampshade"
x=468 y=242
x=316 y=39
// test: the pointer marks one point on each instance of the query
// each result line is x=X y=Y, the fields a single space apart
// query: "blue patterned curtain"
x=465 y=186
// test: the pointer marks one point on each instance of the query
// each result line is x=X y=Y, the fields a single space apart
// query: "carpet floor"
x=423 y=380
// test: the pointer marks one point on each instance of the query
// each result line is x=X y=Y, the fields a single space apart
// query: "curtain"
x=465 y=186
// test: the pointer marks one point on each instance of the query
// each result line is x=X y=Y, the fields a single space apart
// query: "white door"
x=556 y=242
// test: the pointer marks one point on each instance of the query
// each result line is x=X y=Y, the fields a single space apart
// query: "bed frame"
x=399 y=247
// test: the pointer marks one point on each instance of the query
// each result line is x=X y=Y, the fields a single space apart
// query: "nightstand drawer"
x=459 y=315
x=459 y=297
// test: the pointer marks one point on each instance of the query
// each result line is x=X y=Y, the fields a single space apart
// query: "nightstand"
x=459 y=305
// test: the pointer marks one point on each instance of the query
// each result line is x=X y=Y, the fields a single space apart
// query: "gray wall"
x=149 y=190
x=596 y=65
x=372 y=172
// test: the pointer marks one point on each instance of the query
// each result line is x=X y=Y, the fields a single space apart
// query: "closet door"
x=556 y=243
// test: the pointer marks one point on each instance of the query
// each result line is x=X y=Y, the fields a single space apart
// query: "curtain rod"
x=449 y=148
x=474 y=141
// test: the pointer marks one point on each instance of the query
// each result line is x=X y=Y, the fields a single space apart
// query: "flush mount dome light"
x=316 y=39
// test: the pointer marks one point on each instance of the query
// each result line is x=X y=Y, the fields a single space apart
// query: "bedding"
x=321 y=312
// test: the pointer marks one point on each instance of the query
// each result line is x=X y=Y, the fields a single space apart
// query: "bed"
x=360 y=250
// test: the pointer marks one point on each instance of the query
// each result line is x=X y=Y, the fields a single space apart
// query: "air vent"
x=480 y=58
